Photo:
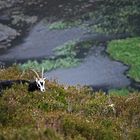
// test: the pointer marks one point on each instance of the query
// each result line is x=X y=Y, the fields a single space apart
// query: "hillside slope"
x=66 y=113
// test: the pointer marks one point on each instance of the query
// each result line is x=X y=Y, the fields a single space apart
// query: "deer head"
x=40 y=81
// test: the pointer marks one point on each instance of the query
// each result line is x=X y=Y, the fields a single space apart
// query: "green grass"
x=67 y=49
x=119 y=92
x=60 y=25
x=127 y=51
x=65 y=113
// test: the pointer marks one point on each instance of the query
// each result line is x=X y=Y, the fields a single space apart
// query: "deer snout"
x=43 y=90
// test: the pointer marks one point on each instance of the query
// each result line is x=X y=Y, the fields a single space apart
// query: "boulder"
x=7 y=34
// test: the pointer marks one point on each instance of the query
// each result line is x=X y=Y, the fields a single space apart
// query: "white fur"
x=41 y=84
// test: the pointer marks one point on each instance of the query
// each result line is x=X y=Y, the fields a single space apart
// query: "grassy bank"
x=127 y=51
x=66 y=113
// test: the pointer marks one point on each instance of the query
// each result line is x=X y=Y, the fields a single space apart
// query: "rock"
x=9 y=3
x=2 y=36
x=2 y=47
x=4 y=19
x=21 y=18
x=7 y=34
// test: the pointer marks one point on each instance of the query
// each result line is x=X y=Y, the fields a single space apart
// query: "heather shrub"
x=65 y=112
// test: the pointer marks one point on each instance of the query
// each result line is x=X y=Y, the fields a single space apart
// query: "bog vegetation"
x=66 y=113
x=127 y=51
x=78 y=113
x=68 y=55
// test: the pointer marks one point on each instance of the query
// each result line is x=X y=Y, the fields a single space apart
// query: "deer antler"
x=42 y=72
x=36 y=73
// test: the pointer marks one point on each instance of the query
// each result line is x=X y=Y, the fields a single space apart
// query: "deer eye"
x=38 y=85
x=41 y=83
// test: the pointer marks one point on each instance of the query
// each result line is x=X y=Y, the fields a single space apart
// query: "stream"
x=25 y=35
x=96 y=69
x=40 y=43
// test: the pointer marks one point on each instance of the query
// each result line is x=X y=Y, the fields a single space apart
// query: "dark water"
x=96 y=69
x=40 y=42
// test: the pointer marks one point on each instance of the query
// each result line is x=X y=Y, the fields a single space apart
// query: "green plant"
x=68 y=49
x=59 y=25
x=119 y=92
x=123 y=19
x=127 y=51
x=51 y=64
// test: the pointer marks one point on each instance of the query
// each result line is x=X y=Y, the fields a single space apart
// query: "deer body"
x=4 y=84
x=33 y=86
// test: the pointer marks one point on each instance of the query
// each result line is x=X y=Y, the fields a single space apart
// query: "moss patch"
x=119 y=92
x=60 y=25
x=127 y=51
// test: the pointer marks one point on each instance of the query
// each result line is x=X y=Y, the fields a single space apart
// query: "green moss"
x=127 y=51
x=68 y=49
x=119 y=92
x=59 y=25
